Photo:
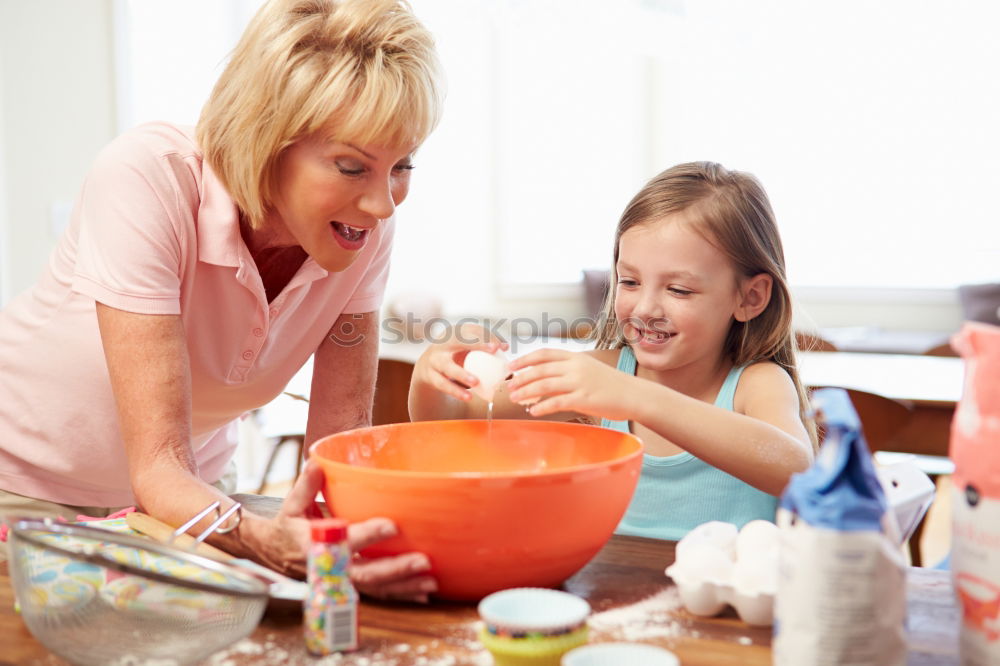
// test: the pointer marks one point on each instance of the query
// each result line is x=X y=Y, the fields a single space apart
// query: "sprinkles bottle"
x=330 y=609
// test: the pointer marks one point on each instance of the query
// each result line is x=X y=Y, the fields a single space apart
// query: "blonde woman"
x=696 y=357
x=202 y=267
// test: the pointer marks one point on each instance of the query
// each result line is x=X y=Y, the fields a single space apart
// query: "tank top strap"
x=728 y=390
x=626 y=364
x=626 y=360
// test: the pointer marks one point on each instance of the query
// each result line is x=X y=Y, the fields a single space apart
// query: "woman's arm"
x=762 y=442
x=343 y=381
x=147 y=362
x=148 y=365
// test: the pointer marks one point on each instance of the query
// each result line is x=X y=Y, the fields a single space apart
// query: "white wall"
x=56 y=73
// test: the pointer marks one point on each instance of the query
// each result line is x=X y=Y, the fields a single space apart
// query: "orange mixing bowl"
x=507 y=504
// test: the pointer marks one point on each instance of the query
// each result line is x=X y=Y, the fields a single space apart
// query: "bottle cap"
x=328 y=530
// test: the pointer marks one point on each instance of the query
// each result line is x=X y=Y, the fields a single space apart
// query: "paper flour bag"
x=842 y=580
x=975 y=450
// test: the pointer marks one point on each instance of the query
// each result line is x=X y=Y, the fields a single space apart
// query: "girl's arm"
x=762 y=442
x=439 y=386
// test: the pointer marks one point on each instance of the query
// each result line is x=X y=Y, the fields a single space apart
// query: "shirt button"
x=273 y=312
x=259 y=332
x=248 y=355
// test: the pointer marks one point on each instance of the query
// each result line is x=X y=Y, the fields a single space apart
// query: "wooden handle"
x=162 y=532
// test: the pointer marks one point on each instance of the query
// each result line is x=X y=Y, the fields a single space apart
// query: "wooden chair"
x=882 y=419
x=806 y=341
x=943 y=349
x=392 y=386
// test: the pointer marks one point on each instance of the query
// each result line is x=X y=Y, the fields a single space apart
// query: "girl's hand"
x=440 y=366
x=398 y=577
x=564 y=381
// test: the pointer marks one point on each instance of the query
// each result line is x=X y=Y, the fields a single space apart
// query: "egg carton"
x=717 y=565
x=707 y=598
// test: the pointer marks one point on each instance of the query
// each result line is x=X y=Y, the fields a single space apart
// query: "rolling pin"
x=281 y=587
x=162 y=532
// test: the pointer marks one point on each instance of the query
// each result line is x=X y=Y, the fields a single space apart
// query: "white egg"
x=757 y=538
x=757 y=575
x=490 y=369
x=716 y=564
x=720 y=534
x=706 y=562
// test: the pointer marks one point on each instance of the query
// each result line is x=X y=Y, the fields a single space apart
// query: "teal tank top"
x=677 y=493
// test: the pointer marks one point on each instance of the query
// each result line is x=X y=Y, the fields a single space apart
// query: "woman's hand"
x=563 y=381
x=398 y=577
x=440 y=368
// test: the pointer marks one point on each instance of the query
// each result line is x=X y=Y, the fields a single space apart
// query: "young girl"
x=695 y=356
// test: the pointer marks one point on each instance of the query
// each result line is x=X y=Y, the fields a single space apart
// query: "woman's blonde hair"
x=731 y=210
x=367 y=66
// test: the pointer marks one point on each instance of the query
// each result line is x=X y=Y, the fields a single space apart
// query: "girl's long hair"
x=731 y=210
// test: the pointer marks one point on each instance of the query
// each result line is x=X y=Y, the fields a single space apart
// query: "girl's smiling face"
x=676 y=295
x=329 y=196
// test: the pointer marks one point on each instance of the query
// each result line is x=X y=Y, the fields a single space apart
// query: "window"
x=871 y=125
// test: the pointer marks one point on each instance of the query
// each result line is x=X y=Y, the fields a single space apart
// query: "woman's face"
x=331 y=195
x=676 y=294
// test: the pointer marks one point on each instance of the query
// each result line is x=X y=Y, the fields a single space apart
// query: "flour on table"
x=652 y=617
x=460 y=641
x=270 y=652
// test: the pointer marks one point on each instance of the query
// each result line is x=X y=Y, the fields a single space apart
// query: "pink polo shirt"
x=154 y=231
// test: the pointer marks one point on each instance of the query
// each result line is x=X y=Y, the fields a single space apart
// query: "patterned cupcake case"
x=146 y=594
x=63 y=595
x=61 y=583
x=522 y=626
x=138 y=596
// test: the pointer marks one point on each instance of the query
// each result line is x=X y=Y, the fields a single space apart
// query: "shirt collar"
x=219 y=238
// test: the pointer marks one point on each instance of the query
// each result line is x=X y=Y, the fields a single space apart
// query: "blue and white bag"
x=842 y=579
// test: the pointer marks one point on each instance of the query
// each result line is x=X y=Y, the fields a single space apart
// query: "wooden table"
x=632 y=600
